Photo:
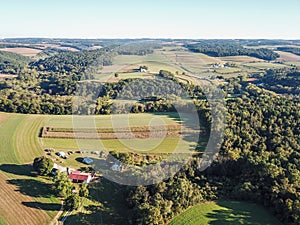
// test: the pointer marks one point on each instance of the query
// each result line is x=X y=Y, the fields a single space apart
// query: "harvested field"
x=118 y=133
x=23 y=51
x=13 y=209
x=288 y=57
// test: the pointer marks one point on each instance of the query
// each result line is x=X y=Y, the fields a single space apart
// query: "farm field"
x=240 y=59
x=109 y=78
x=125 y=65
x=135 y=59
x=265 y=65
x=23 y=194
x=182 y=61
x=23 y=51
x=20 y=144
x=222 y=213
x=110 y=120
x=288 y=57
x=20 y=141
x=154 y=145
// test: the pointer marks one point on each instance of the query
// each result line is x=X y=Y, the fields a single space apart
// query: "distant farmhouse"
x=143 y=69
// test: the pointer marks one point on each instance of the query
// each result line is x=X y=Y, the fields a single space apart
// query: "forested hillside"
x=289 y=49
x=11 y=63
x=259 y=162
x=220 y=49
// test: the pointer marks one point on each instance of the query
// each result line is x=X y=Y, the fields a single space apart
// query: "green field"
x=23 y=195
x=132 y=75
x=149 y=145
x=155 y=62
x=223 y=213
x=21 y=141
x=111 y=120
x=135 y=59
x=181 y=61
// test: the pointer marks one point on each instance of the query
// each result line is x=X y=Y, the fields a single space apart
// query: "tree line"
x=221 y=49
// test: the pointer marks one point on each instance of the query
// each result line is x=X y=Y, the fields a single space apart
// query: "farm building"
x=87 y=160
x=141 y=70
x=78 y=177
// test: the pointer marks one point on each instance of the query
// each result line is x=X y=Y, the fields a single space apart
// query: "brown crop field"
x=12 y=207
x=288 y=57
x=23 y=51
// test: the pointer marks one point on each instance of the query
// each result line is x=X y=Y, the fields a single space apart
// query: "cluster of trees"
x=220 y=49
x=12 y=63
x=282 y=82
x=157 y=204
x=260 y=42
x=7 y=45
x=259 y=162
x=73 y=62
x=136 y=48
x=60 y=74
x=290 y=49
x=43 y=165
x=62 y=185
x=29 y=102
x=135 y=158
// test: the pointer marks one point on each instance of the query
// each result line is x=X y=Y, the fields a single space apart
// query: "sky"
x=270 y=19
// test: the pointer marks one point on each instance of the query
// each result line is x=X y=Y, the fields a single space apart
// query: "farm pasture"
x=225 y=213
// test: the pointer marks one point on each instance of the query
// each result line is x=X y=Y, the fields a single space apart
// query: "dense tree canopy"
x=290 y=49
x=43 y=165
x=219 y=49
x=259 y=161
x=11 y=63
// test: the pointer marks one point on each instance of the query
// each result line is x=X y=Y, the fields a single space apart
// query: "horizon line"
x=152 y=38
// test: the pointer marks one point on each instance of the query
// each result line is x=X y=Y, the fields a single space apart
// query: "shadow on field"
x=112 y=210
x=32 y=187
x=236 y=214
x=21 y=170
x=79 y=159
x=43 y=206
x=197 y=131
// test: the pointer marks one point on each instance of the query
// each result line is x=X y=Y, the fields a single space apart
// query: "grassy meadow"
x=225 y=213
